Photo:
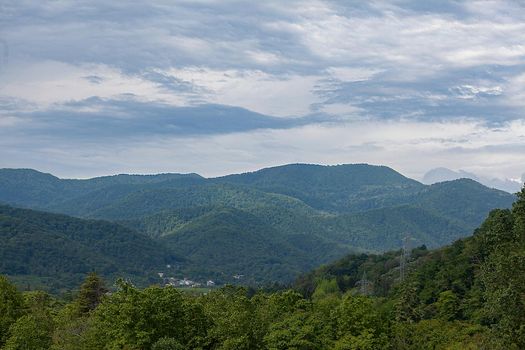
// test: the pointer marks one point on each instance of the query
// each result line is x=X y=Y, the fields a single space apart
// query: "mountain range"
x=263 y=226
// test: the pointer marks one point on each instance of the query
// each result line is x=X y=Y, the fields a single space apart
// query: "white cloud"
x=469 y=91
x=9 y=121
x=264 y=58
x=516 y=90
x=414 y=42
x=349 y=74
x=49 y=82
x=406 y=72
x=284 y=95
x=341 y=109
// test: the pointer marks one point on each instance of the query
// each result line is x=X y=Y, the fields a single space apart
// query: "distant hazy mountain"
x=444 y=174
x=267 y=225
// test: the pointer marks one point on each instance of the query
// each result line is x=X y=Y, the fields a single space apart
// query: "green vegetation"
x=341 y=188
x=54 y=252
x=469 y=295
x=269 y=225
x=244 y=245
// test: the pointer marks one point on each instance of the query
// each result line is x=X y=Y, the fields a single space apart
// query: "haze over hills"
x=445 y=174
x=269 y=225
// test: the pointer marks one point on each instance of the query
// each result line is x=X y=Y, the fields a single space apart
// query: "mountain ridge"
x=313 y=212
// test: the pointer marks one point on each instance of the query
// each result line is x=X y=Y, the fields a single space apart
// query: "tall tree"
x=502 y=274
x=91 y=293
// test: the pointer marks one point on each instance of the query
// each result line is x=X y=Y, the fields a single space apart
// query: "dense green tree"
x=359 y=325
x=502 y=275
x=439 y=334
x=447 y=305
x=70 y=328
x=167 y=344
x=518 y=209
x=505 y=290
x=495 y=233
x=91 y=293
x=33 y=331
x=364 y=341
x=231 y=312
x=325 y=288
x=298 y=331
x=408 y=305
x=139 y=318
x=11 y=307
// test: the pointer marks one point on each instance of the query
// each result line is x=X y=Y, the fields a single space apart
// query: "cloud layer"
x=221 y=86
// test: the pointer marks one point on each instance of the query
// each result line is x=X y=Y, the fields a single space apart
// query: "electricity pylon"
x=365 y=286
x=403 y=259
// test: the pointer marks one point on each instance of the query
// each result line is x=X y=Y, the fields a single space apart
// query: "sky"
x=91 y=88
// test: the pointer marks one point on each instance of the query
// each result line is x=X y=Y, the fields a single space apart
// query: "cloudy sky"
x=215 y=86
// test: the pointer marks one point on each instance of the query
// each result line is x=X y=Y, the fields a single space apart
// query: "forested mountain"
x=31 y=188
x=243 y=244
x=54 y=251
x=468 y=295
x=341 y=188
x=267 y=225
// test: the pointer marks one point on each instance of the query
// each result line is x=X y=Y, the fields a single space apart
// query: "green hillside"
x=279 y=221
x=460 y=266
x=228 y=241
x=145 y=202
x=384 y=229
x=56 y=251
x=464 y=201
